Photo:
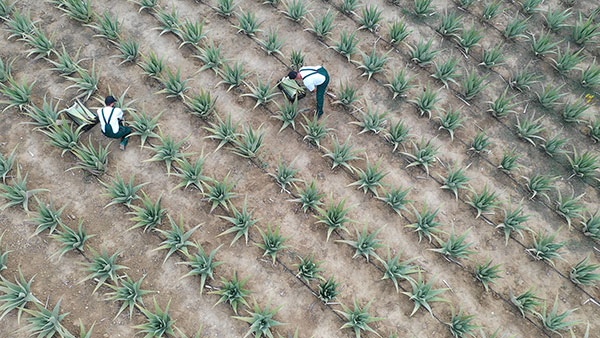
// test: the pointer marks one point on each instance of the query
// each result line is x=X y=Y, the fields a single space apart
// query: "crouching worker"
x=314 y=79
x=111 y=122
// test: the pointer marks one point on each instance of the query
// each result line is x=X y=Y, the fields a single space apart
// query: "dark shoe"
x=319 y=114
x=122 y=146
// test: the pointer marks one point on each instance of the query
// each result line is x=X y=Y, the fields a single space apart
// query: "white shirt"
x=104 y=113
x=313 y=80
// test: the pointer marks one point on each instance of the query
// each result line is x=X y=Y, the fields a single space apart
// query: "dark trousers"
x=123 y=133
x=321 y=90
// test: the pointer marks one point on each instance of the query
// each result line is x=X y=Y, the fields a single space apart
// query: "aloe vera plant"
x=315 y=130
x=272 y=45
x=544 y=248
x=176 y=239
x=129 y=293
x=6 y=9
x=78 y=10
x=555 y=19
x=219 y=193
x=16 y=295
x=585 y=30
x=347 y=95
x=423 y=8
x=451 y=24
x=328 y=290
x=422 y=294
x=225 y=7
x=249 y=143
x=296 y=59
x=169 y=21
x=493 y=57
x=223 y=131
x=460 y=324
x=18 y=94
x=5 y=70
x=285 y=175
x=87 y=82
x=523 y=79
x=262 y=92
x=20 y=25
x=567 y=60
x=553 y=145
x=399 y=84
x=347 y=44
x=149 y=215
x=582 y=273
x=594 y=127
x=513 y=221
x=129 y=50
x=70 y=239
x=423 y=154
x=492 y=9
x=539 y=184
x=158 y=324
x=233 y=292
x=516 y=28
x=372 y=63
x=90 y=159
x=107 y=27
x=47 y=217
x=503 y=105
x=529 y=7
x=152 y=65
x=348 y=6
x=529 y=129
x=487 y=273
x=422 y=54
x=64 y=136
x=341 y=154
x=365 y=244
x=45 y=323
x=121 y=192
x=549 y=96
x=370 y=178
x=358 y=319
x=211 y=56
x=40 y=44
x=584 y=165
x=370 y=18
x=17 y=192
x=167 y=151
x=295 y=10
x=272 y=241
x=323 y=25
x=261 y=320
x=191 y=33
x=480 y=143
x=398 y=32
x=102 y=267
x=469 y=38
x=397 y=134
x=44 y=117
x=201 y=264
x=396 y=199
x=372 y=121
x=308 y=269
x=591 y=226
x=425 y=224
x=454 y=247
x=455 y=180
x=144 y=126
x=426 y=101
x=464 y=4
x=526 y=302
x=397 y=270
x=555 y=321
x=334 y=217
x=484 y=202
x=191 y=174
x=569 y=207
x=247 y=24
x=6 y=164
x=232 y=75
x=309 y=196
x=590 y=77
x=241 y=222
x=287 y=114
x=473 y=84
x=146 y=4
x=446 y=72
x=173 y=85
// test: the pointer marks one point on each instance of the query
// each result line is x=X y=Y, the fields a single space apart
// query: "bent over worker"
x=111 y=122
x=315 y=79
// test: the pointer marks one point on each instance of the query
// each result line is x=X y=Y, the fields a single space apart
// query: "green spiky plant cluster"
x=309 y=196
x=146 y=4
x=106 y=27
x=582 y=273
x=422 y=53
x=543 y=44
x=334 y=217
x=249 y=143
x=480 y=143
x=261 y=320
x=295 y=10
x=129 y=50
x=426 y=101
x=347 y=46
x=450 y=24
x=308 y=269
x=262 y=92
x=529 y=7
x=287 y=114
x=18 y=94
x=372 y=63
x=396 y=199
x=455 y=180
x=397 y=134
x=446 y=72
x=516 y=28
x=525 y=302
x=503 y=105
x=555 y=19
x=158 y=323
x=555 y=321
x=47 y=217
x=569 y=207
x=549 y=96
x=553 y=145
x=423 y=8
x=473 y=84
x=102 y=267
x=513 y=221
x=191 y=33
x=492 y=9
x=573 y=111
x=567 y=60
x=20 y=24
x=328 y=290
x=5 y=70
x=202 y=104
x=424 y=154
x=323 y=25
x=225 y=7
x=168 y=151
x=365 y=243
x=3 y=255
x=539 y=184
x=15 y=296
x=509 y=160
x=523 y=80
x=454 y=247
x=241 y=221
x=169 y=21
x=173 y=85
x=64 y=137
x=17 y=192
x=223 y=131
x=284 y=175
x=544 y=248
x=149 y=215
x=144 y=126
x=590 y=76
x=40 y=44
x=470 y=38
x=191 y=174
x=176 y=239
x=460 y=324
x=484 y=202
x=399 y=83
x=43 y=117
x=398 y=32
x=90 y=159
x=493 y=57
x=232 y=75
x=129 y=293
x=272 y=241
x=372 y=121
x=78 y=10
x=342 y=154
x=585 y=30
x=370 y=178
x=397 y=270
x=296 y=59
x=153 y=65
x=358 y=319
x=594 y=127
x=423 y=293
x=219 y=193
x=233 y=292
x=530 y=128
x=70 y=239
x=247 y=24
x=347 y=95
x=201 y=264
x=584 y=165
x=425 y=224
x=272 y=44
x=44 y=322
x=315 y=130
x=487 y=273
x=7 y=163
